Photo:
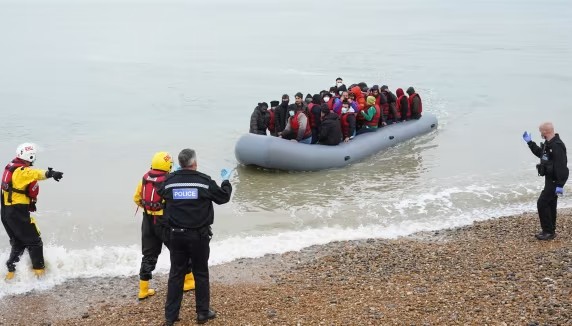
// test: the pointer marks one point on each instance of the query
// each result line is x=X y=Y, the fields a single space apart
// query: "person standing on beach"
x=188 y=196
x=553 y=167
x=19 y=196
x=154 y=228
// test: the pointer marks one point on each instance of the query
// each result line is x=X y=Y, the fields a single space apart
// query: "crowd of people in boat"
x=337 y=115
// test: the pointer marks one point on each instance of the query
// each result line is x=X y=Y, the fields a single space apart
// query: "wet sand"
x=490 y=273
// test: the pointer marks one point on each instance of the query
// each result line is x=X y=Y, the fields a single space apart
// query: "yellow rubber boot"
x=189 y=282
x=9 y=276
x=39 y=273
x=144 y=290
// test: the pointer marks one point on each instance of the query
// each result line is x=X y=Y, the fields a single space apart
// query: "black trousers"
x=23 y=234
x=155 y=232
x=546 y=204
x=185 y=244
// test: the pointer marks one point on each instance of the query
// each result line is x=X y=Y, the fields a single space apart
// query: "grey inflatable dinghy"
x=277 y=153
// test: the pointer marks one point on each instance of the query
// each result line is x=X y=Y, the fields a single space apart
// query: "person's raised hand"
x=527 y=137
x=225 y=174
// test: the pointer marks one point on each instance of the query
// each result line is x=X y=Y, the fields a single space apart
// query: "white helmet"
x=27 y=152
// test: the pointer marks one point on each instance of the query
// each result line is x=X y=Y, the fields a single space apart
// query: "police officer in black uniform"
x=188 y=196
x=553 y=167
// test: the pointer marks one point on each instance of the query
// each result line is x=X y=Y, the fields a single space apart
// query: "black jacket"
x=415 y=114
x=259 y=121
x=330 y=130
x=316 y=114
x=280 y=117
x=391 y=100
x=189 y=197
x=404 y=106
x=557 y=160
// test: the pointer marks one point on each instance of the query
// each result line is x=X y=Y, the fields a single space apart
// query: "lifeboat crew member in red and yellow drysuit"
x=19 y=196
x=155 y=230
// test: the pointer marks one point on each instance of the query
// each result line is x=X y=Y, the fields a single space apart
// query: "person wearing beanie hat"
x=298 y=126
x=308 y=98
x=281 y=115
x=371 y=116
x=415 y=104
x=259 y=119
x=272 y=113
x=330 y=129
x=370 y=100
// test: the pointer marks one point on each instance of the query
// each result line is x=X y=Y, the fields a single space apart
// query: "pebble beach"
x=492 y=272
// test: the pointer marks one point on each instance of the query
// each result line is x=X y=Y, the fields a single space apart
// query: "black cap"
x=308 y=95
x=263 y=104
x=342 y=88
x=274 y=104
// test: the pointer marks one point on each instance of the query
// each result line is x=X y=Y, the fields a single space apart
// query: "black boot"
x=203 y=318
x=15 y=254
x=545 y=236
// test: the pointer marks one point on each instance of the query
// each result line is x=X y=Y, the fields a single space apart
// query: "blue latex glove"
x=526 y=136
x=559 y=191
x=225 y=174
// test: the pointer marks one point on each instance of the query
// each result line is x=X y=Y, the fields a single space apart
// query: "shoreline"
x=492 y=271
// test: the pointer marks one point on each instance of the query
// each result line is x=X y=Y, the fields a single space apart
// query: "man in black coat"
x=259 y=119
x=330 y=128
x=553 y=167
x=189 y=196
x=281 y=115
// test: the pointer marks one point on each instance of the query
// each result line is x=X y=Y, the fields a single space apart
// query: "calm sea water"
x=102 y=85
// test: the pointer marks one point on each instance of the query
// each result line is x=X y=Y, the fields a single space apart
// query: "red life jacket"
x=398 y=106
x=32 y=189
x=331 y=102
x=410 y=100
x=150 y=199
x=345 y=124
x=385 y=109
x=295 y=126
x=375 y=120
x=271 y=122
x=313 y=124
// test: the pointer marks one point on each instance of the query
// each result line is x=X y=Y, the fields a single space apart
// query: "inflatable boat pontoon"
x=277 y=153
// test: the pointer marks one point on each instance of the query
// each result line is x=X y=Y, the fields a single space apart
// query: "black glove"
x=57 y=175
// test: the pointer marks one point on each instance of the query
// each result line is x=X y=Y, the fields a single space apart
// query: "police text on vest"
x=185 y=193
